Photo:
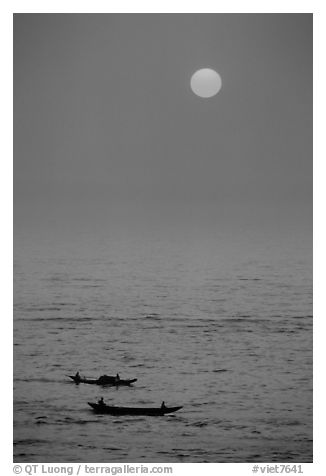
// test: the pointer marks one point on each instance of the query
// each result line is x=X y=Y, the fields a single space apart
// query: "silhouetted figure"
x=77 y=376
x=117 y=378
x=104 y=378
x=163 y=407
x=101 y=402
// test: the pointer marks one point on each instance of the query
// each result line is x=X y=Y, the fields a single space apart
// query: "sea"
x=223 y=329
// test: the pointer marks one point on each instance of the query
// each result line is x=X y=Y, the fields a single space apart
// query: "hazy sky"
x=107 y=130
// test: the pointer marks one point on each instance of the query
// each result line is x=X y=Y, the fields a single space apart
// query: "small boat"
x=112 y=410
x=104 y=380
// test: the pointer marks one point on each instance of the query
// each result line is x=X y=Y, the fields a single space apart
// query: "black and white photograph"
x=163 y=238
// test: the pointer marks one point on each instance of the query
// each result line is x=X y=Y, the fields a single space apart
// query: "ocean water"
x=223 y=332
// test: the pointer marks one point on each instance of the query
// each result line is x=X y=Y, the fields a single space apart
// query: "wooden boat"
x=104 y=380
x=102 y=408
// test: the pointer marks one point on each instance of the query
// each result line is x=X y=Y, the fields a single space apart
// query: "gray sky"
x=107 y=130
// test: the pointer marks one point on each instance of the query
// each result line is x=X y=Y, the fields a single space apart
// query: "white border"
x=169 y=6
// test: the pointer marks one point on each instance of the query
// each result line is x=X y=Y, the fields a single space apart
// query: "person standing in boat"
x=117 y=378
x=77 y=376
x=163 y=407
x=101 y=402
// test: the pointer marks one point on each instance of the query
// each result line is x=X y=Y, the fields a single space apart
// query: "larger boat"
x=102 y=408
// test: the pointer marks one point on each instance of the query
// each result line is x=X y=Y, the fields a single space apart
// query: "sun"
x=205 y=83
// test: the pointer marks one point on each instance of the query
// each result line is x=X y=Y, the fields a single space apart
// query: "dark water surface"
x=230 y=339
